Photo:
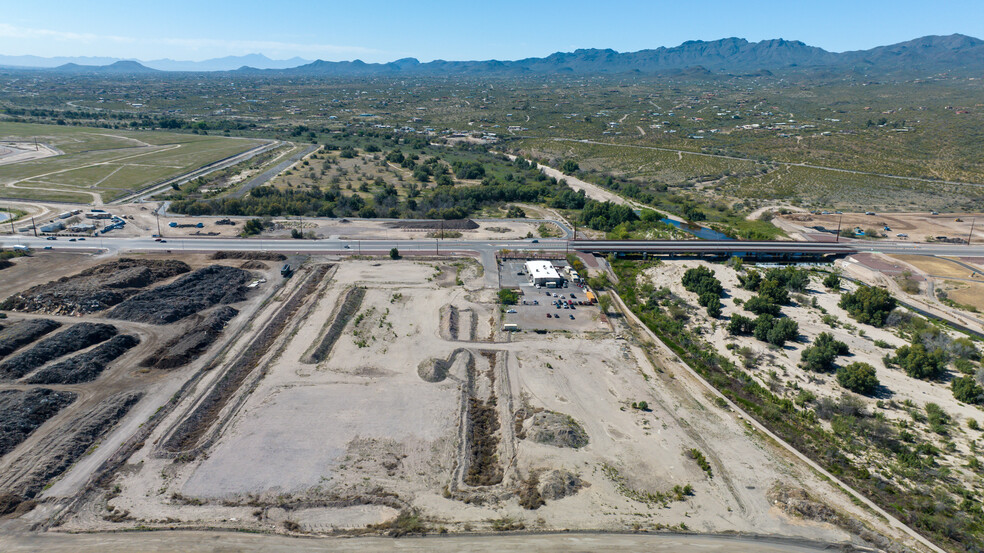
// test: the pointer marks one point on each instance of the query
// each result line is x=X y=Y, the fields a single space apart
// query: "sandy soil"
x=355 y=438
x=16 y=152
x=778 y=369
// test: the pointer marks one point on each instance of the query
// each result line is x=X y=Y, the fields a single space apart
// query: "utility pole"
x=839 y=228
x=158 y=213
x=970 y=236
x=35 y=227
x=10 y=212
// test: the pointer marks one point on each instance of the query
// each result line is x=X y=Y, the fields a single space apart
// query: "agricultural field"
x=93 y=165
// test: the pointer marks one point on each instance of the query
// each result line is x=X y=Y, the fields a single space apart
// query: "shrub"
x=701 y=280
x=965 y=389
x=394 y=253
x=762 y=306
x=774 y=291
x=713 y=306
x=832 y=281
x=868 y=305
x=820 y=356
x=917 y=362
x=938 y=419
x=740 y=325
x=858 y=377
x=508 y=297
x=775 y=331
x=750 y=280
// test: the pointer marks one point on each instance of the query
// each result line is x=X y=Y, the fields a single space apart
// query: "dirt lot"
x=417 y=400
x=920 y=227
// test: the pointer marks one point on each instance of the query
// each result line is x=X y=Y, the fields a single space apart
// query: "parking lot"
x=536 y=303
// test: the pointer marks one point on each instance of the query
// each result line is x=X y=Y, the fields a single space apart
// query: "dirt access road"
x=196 y=542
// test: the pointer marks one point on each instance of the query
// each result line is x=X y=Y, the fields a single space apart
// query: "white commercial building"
x=542 y=273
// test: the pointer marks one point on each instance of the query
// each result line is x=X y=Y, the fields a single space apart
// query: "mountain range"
x=228 y=63
x=728 y=55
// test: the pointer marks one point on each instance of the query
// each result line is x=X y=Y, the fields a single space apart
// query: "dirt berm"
x=186 y=296
x=264 y=256
x=185 y=348
x=23 y=333
x=556 y=429
x=454 y=224
x=94 y=289
x=76 y=337
x=347 y=308
x=23 y=411
x=61 y=448
x=87 y=366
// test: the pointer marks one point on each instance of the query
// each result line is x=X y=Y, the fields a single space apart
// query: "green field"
x=105 y=164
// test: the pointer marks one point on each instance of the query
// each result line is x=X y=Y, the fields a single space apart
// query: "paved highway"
x=570 y=542
x=433 y=246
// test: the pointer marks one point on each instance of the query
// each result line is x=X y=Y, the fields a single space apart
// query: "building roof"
x=541 y=269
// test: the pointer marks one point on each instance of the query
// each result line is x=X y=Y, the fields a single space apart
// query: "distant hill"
x=227 y=63
x=693 y=58
x=120 y=67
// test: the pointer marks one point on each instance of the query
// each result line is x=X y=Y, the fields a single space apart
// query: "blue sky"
x=456 y=30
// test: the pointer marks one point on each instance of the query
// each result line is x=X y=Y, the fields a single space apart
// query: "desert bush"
x=858 y=377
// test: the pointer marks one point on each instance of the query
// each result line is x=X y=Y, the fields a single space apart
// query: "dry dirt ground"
x=961 y=279
x=390 y=388
x=142 y=222
x=16 y=152
x=921 y=227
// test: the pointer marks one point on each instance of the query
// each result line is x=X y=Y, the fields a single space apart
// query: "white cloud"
x=10 y=31
x=177 y=47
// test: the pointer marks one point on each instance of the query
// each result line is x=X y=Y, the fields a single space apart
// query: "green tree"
x=394 y=253
x=965 y=389
x=774 y=291
x=508 y=297
x=762 y=306
x=740 y=325
x=253 y=226
x=868 y=305
x=569 y=167
x=832 y=281
x=918 y=362
x=821 y=355
x=859 y=378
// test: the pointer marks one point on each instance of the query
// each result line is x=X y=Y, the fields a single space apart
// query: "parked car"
x=549 y=316
x=510 y=311
x=572 y=316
